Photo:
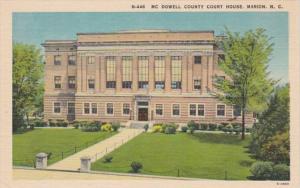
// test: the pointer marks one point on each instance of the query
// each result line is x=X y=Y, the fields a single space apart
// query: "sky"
x=35 y=28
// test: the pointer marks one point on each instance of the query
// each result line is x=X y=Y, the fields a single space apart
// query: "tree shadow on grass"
x=219 y=138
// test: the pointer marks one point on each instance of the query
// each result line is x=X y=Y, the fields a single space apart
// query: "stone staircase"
x=138 y=124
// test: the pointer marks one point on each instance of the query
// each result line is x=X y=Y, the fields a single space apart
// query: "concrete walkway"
x=98 y=150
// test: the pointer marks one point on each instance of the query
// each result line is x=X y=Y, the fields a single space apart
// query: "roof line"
x=135 y=32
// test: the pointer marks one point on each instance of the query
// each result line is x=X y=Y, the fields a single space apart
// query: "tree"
x=27 y=82
x=245 y=62
x=270 y=136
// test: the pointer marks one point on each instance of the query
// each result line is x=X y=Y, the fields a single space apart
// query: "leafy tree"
x=245 y=62
x=27 y=84
x=272 y=130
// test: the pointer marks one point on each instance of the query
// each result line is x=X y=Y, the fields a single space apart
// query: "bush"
x=146 y=127
x=136 y=166
x=248 y=129
x=157 y=128
x=236 y=125
x=52 y=123
x=116 y=126
x=212 y=127
x=184 y=128
x=203 y=126
x=107 y=127
x=61 y=123
x=90 y=126
x=281 y=172
x=170 y=130
x=192 y=124
x=191 y=130
x=39 y=123
x=108 y=159
x=262 y=170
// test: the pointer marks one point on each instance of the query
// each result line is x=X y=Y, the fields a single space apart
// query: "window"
x=197 y=84
x=86 y=108
x=237 y=111
x=197 y=59
x=57 y=82
x=90 y=59
x=126 y=109
x=126 y=84
x=110 y=69
x=91 y=83
x=110 y=108
x=159 y=70
x=71 y=82
x=94 y=108
x=57 y=107
x=200 y=110
x=71 y=108
x=220 y=110
x=175 y=109
x=72 y=60
x=143 y=72
x=110 y=84
x=176 y=62
x=193 y=111
x=127 y=71
x=159 y=109
x=57 y=60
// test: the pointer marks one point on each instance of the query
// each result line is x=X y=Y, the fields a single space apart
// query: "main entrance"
x=143 y=114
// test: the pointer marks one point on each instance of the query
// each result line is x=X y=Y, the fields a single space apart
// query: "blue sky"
x=34 y=28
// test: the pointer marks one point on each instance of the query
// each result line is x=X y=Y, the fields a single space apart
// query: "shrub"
x=224 y=124
x=248 y=129
x=146 y=127
x=76 y=124
x=39 y=123
x=203 y=126
x=90 y=126
x=52 y=123
x=191 y=130
x=192 y=124
x=136 y=166
x=236 y=125
x=108 y=159
x=107 y=127
x=61 y=123
x=262 y=170
x=220 y=127
x=212 y=127
x=170 y=130
x=157 y=128
x=184 y=128
x=281 y=172
x=116 y=126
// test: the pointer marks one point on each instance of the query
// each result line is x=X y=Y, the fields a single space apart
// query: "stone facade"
x=160 y=76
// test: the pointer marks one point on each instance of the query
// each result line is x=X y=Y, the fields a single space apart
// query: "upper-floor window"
x=127 y=71
x=176 y=62
x=57 y=60
x=126 y=109
x=57 y=82
x=56 y=107
x=110 y=70
x=197 y=59
x=197 y=84
x=71 y=108
x=90 y=59
x=220 y=110
x=159 y=69
x=143 y=71
x=72 y=60
x=159 y=109
x=91 y=83
x=71 y=82
x=237 y=111
x=175 y=109
x=110 y=108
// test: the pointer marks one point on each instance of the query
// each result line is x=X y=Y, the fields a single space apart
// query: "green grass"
x=202 y=155
x=56 y=141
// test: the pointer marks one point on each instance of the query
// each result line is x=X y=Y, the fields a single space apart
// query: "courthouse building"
x=147 y=75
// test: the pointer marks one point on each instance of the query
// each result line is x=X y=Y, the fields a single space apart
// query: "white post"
x=41 y=161
x=85 y=165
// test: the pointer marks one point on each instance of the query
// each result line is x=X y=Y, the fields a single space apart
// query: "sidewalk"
x=98 y=150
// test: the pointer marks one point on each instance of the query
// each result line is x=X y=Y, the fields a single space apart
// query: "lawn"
x=60 y=142
x=202 y=155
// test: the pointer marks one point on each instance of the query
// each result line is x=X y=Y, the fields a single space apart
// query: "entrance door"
x=143 y=114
